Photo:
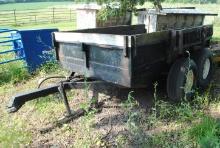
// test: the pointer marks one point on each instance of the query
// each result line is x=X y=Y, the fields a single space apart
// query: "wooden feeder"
x=171 y=18
x=87 y=18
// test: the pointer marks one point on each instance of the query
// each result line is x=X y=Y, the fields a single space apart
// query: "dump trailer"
x=135 y=56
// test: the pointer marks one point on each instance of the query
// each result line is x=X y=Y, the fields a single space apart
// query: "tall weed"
x=13 y=73
x=206 y=133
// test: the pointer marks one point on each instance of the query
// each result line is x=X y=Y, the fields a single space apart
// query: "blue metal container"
x=37 y=45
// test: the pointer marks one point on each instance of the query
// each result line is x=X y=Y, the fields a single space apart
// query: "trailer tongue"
x=20 y=99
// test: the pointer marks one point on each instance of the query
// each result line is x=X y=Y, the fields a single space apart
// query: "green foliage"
x=124 y=5
x=191 y=127
x=206 y=133
x=116 y=8
x=13 y=134
x=85 y=137
x=16 y=72
x=45 y=104
x=49 y=67
x=13 y=73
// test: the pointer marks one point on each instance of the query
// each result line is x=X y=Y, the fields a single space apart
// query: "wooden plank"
x=119 y=30
x=152 y=38
x=90 y=38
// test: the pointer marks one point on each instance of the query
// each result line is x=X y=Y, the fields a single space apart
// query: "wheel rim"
x=206 y=68
x=189 y=82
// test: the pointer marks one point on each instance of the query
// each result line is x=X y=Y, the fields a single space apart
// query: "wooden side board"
x=91 y=38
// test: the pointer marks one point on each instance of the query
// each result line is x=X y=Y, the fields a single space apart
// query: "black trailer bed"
x=125 y=55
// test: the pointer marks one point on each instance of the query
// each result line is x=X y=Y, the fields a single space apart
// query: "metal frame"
x=71 y=83
x=9 y=41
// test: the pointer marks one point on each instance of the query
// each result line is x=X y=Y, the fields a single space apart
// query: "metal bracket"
x=85 y=48
x=125 y=50
x=64 y=97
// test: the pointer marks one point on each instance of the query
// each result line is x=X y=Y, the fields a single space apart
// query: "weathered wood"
x=152 y=38
x=171 y=19
x=119 y=30
x=90 y=38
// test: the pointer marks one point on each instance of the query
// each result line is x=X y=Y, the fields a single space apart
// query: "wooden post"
x=35 y=19
x=70 y=14
x=53 y=15
x=15 y=17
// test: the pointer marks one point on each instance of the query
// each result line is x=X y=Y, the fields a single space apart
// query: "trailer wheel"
x=181 y=81
x=204 y=62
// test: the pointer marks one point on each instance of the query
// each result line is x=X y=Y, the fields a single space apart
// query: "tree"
x=120 y=7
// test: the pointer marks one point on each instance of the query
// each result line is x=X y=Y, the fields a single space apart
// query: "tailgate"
x=102 y=56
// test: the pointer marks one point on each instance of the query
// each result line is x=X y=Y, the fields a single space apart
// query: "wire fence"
x=36 y=16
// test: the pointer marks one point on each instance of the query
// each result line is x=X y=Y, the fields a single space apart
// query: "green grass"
x=36 y=13
x=206 y=133
x=181 y=125
x=63 y=26
x=13 y=73
x=216 y=35
x=38 y=5
x=14 y=134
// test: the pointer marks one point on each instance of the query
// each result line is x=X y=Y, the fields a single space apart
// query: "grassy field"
x=124 y=120
x=39 y=5
x=62 y=26
x=36 y=13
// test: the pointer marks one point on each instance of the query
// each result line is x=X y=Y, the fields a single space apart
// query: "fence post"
x=53 y=15
x=70 y=14
x=35 y=19
x=15 y=17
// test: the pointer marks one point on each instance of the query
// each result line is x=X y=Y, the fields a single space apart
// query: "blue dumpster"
x=37 y=45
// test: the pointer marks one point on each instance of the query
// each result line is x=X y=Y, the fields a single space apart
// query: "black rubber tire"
x=177 y=79
x=200 y=57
